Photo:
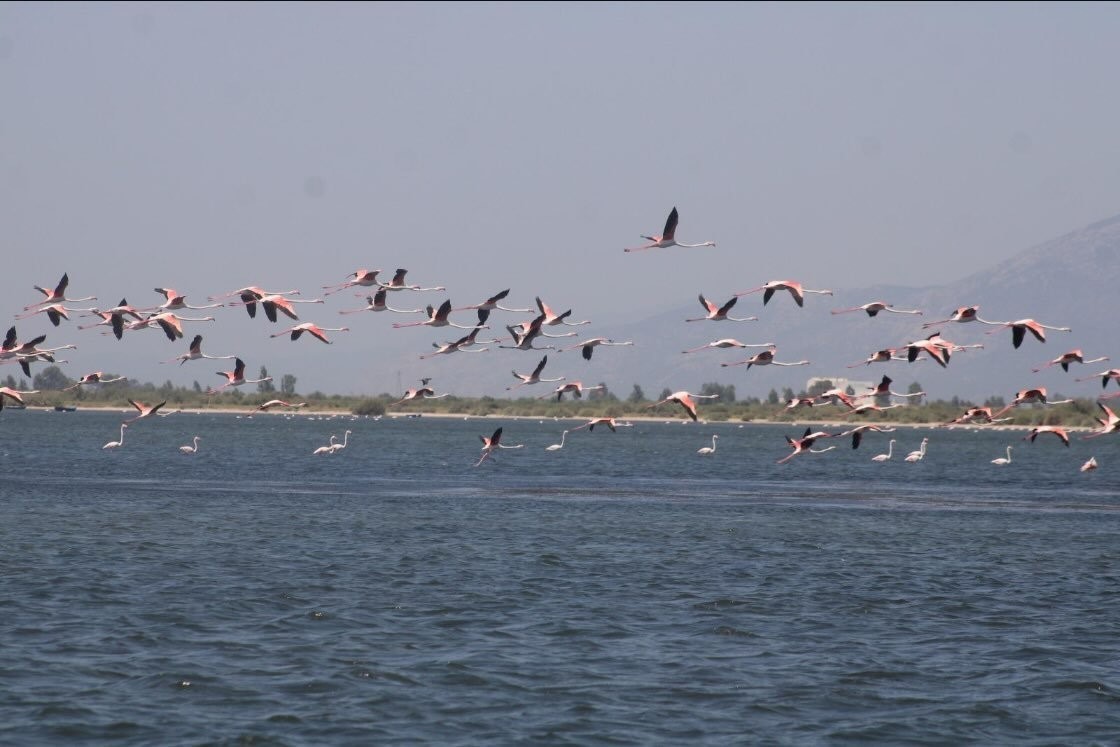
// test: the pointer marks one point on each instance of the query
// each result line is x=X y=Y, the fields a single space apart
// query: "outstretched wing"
x=670 y=225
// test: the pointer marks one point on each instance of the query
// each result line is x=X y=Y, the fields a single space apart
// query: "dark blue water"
x=622 y=590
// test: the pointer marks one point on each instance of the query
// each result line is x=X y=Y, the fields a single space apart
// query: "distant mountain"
x=1070 y=281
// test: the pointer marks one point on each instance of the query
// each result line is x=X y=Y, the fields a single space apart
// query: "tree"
x=288 y=384
x=596 y=395
x=787 y=394
x=265 y=387
x=50 y=377
x=772 y=397
x=637 y=395
x=914 y=388
x=726 y=393
x=10 y=382
x=196 y=386
x=819 y=387
x=665 y=393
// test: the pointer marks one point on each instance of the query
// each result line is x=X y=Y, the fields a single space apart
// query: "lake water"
x=622 y=590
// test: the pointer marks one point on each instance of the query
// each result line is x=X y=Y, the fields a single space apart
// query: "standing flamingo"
x=345 y=441
x=920 y=454
x=532 y=378
x=314 y=330
x=191 y=448
x=1002 y=461
x=686 y=400
x=709 y=450
x=795 y=289
x=557 y=447
x=885 y=457
x=720 y=313
x=667 y=237
x=328 y=449
x=115 y=444
x=1020 y=327
x=874 y=307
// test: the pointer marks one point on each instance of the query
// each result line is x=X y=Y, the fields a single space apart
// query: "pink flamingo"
x=176 y=301
x=249 y=295
x=1112 y=373
x=805 y=443
x=685 y=400
x=492 y=444
x=14 y=394
x=424 y=392
x=611 y=423
x=728 y=342
x=361 y=277
x=314 y=330
x=438 y=318
x=146 y=411
x=884 y=390
x=795 y=289
x=590 y=345
x=575 y=387
x=719 y=313
x=962 y=314
x=857 y=435
x=266 y=406
x=236 y=377
x=462 y=345
x=397 y=283
x=1040 y=429
x=977 y=415
x=1073 y=356
x=376 y=302
x=56 y=312
x=874 y=307
x=532 y=378
x=765 y=358
x=1020 y=327
x=57 y=295
x=1037 y=395
x=169 y=322
x=667 y=237
x=881 y=356
x=492 y=303
x=1110 y=423
x=551 y=318
x=97 y=377
x=195 y=353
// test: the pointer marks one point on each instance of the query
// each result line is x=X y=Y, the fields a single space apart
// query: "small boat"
x=65 y=408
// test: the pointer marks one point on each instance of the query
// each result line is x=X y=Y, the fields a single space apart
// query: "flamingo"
x=1020 y=327
x=962 y=314
x=492 y=444
x=1110 y=423
x=397 y=283
x=881 y=356
x=115 y=444
x=1001 y=461
x=1112 y=373
x=146 y=411
x=765 y=358
x=341 y=446
x=461 y=345
x=425 y=392
x=977 y=415
x=864 y=409
x=795 y=289
x=361 y=277
x=611 y=423
x=97 y=377
x=328 y=449
x=720 y=313
x=114 y=317
x=805 y=443
x=523 y=338
x=728 y=342
x=557 y=447
x=552 y=319
x=686 y=400
x=575 y=387
x=874 y=307
x=492 y=303
x=236 y=377
x=709 y=450
x=57 y=295
x=195 y=353
x=1089 y=465
x=590 y=345
x=534 y=377
x=667 y=237
x=885 y=457
x=266 y=406
x=14 y=394
x=920 y=454
x=250 y=295
x=314 y=330
x=1037 y=395
x=1073 y=356
x=438 y=318
x=169 y=322
x=1040 y=429
x=376 y=302
x=796 y=403
x=836 y=397
x=56 y=312
x=884 y=390
x=939 y=353
x=174 y=301
x=191 y=448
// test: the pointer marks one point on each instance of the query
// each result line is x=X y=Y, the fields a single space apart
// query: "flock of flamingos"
x=544 y=324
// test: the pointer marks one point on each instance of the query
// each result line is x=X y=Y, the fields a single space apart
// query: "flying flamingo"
x=170 y=323
x=189 y=448
x=611 y=423
x=314 y=330
x=56 y=312
x=720 y=313
x=114 y=317
x=795 y=289
x=523 y=338
x=796 y=403
x=195 y=353
x=1040 y=429
x=438 y=318
x=249 y=295
x=885 y=457
x=1073 y=356
x=115 y=444
x=557 y=447
x=1020 y=327
x=328 y=449
x=977 y=415
x=236 y=377
x=765 y=358
x=874 y=307
x=667 y=237
x=397 y=283
x=864 y=409
x=276 y=302
x=836 y=396
x=146 y=411
x=14 y=394
x=884 y=390
x=361 y=277
x=709 y=450
x=1037 y=395
x=686 y=400
x=376 y=302
x=939 y=353
x=175 y=301
x=266 y=406
x=532 y=378
x=1091 y=464
x=97 y=377
x=58 y=295
x=881 y=356
x=1112 y=373
x=962 y=314
x=804 y=444
x=920 y=454
x=1001 y=461
x=1110 y=423
x=551 y=318
x=590 y=345
x=575 y=387
x=728 y=342
x=493 y=303
x=425 y=392
x=490 y=445
x=462 y=345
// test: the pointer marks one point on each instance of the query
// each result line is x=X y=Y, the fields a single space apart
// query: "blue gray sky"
x=486 y=146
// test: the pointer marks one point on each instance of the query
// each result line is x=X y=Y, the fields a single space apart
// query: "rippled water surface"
x=621 y=590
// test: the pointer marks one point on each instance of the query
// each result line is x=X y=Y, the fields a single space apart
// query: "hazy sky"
x=207 y=147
